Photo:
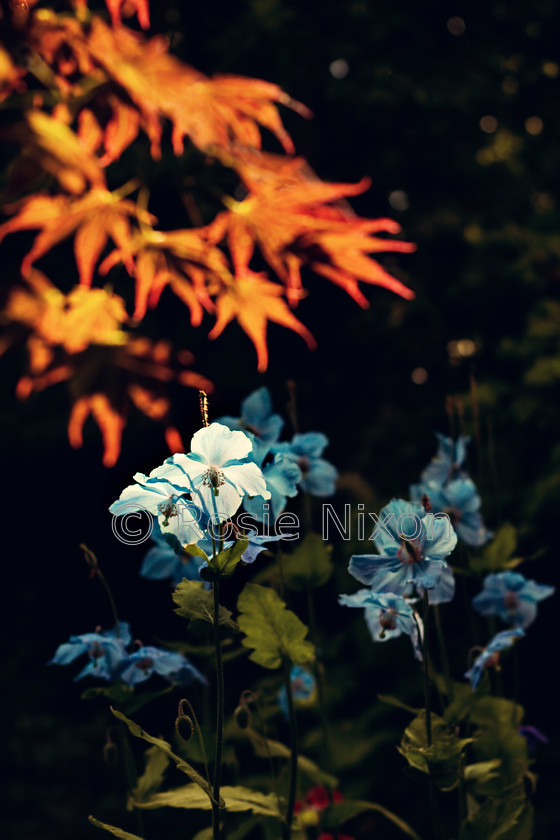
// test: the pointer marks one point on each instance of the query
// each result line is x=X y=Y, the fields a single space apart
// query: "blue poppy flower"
x=387 y=616
x=447 y=462
x=163 y=562
x=155 y=495
x=216 y=472
x=459 y=500
x=443 y=591
x=257 y=417
x=282 y=476
x=491 y=654
x=303 y=688
x=413 y=548
x=257 y=543
x=105 y=649
x=142 y=663
x=318 y=476
x=512 y=597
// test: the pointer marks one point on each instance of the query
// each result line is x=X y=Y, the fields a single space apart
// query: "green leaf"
x=340 y=812
x=499 y=817
x=394 y=701
x=234 y=799
x=266 y=747
x=441 y=759
x=271 y=629
x=482 y=771
x=118 y=832
x=196 y=551
x=118 y=693
x=498 y=554
x=225 y=562
x=195 y=603
x=309 y=565
x=156 y=763
x=166 y=748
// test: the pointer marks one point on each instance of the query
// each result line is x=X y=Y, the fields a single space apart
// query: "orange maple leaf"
x=300 y=222
x=94 y=218
x=79 y=338
x=254 y=301
x=186 y=260
x=212 y=112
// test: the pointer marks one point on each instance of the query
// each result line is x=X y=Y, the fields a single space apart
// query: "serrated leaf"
x=441 y=759
x=498 y=817
x=117 y=832
x=309 y=565
x=162 y=745
x=271 y=629
x=195 y=603
x=234 y=799
x=156 y=763
x=340 y=812
x=225 y=561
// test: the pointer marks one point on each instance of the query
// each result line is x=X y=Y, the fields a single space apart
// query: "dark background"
x=483 y=209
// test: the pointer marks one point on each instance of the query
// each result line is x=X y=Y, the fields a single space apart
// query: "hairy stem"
x=219 y=712
x=293 y=752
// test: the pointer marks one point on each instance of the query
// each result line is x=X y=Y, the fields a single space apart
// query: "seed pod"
x=242 y=717
x=184 y=727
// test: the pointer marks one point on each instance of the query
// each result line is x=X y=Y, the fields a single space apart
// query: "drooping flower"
x=162 y=562
x=257 y=417
x=147 y=660
x=387 y=616
x=319 y=476
x=413 y=548
x=448 y=461
x=303 y=688
x=105 y=649
x=491 y=654
x=458 y=499
x=216 y=471
x=282 y=476
x=512 y=597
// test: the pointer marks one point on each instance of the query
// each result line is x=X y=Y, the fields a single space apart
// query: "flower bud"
x=242 y=717
x=184 y=727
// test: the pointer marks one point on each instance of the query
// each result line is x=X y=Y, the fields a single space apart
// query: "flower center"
x=387 y=620
x=145 y=663
x=213 y=477
x=454 y=514
x=167 y=509
x=408 y=552
x=511 y=601
x=304 y=464
x=96 y=651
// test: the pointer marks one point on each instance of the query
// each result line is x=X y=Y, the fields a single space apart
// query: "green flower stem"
x=93 y=563
x=443 y=655
x=219 y=712
x=200 y=738
x=130 y=772
x=293 y=752
x=319 y=674
x=426 y=670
